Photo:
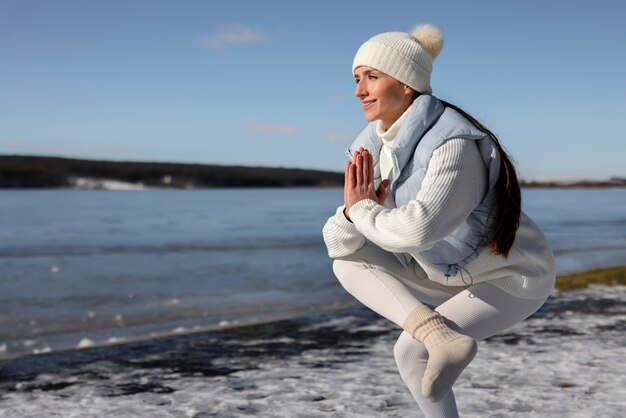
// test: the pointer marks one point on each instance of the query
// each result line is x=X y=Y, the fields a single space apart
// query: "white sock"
x=448 y=351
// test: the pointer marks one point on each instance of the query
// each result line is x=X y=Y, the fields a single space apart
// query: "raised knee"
x=345 y=273
x=339 y=268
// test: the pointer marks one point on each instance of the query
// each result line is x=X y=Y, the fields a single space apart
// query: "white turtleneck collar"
x=390 y=134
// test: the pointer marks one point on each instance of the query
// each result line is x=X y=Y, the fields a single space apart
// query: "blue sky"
x=268 y=83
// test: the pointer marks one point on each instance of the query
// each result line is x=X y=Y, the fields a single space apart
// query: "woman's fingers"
x=359 y=170
x=370 y=179
x=357 y=153
x=366 y=168
x=362 y=169
x=382 y=192
x=346 y=176
x=351 y=178
x=359 y=179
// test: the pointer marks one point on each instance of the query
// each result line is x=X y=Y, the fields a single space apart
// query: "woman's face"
x=382 y=96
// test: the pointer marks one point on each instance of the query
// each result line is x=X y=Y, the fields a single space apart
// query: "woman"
x=431 y=234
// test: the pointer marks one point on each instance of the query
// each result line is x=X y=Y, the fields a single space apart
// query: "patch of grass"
x=608 y=276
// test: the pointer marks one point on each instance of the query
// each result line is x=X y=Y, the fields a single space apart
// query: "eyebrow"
x=366 y=72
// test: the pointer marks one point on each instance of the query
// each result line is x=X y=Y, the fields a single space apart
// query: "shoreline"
x=609 y=276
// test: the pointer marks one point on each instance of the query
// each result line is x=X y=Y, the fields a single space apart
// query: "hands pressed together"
x=359 y=181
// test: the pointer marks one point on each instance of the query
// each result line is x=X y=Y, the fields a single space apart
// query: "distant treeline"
x=612 y=182
x=54 y=172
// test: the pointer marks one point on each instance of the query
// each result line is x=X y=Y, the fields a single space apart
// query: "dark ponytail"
x=508 y=196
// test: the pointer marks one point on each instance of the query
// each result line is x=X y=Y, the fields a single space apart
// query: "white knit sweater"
x=454 y=185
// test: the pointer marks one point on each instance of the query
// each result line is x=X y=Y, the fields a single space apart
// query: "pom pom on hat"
x=430 y=37
x=407 y=57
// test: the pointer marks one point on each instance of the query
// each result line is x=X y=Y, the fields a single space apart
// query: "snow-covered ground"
x=568 y=360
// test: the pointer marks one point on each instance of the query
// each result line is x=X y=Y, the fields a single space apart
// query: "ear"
x=408 y=90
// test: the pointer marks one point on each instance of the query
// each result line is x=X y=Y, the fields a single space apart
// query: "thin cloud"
x=231 y=35
x=339 y=137
x=262 y=127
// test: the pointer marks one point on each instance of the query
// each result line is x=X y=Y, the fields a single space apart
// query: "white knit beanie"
x=407 y=57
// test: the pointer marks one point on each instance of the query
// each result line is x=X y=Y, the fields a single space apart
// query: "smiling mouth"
x=367 y=104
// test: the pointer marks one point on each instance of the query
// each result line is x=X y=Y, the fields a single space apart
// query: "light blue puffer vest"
x=425 y=127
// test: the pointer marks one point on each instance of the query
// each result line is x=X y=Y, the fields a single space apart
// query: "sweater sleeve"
x=341 y=236
x=455 y=183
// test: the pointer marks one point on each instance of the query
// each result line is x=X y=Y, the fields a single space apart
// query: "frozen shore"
x=565 y=361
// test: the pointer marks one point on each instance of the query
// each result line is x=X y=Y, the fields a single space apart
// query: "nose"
x=360 y=91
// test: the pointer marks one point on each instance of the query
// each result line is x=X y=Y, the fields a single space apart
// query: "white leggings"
x=378 y=280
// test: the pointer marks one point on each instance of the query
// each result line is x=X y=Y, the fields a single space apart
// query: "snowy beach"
x=567 y=360
x=145 y=304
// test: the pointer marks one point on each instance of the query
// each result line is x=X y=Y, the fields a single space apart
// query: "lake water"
x=93 y=267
